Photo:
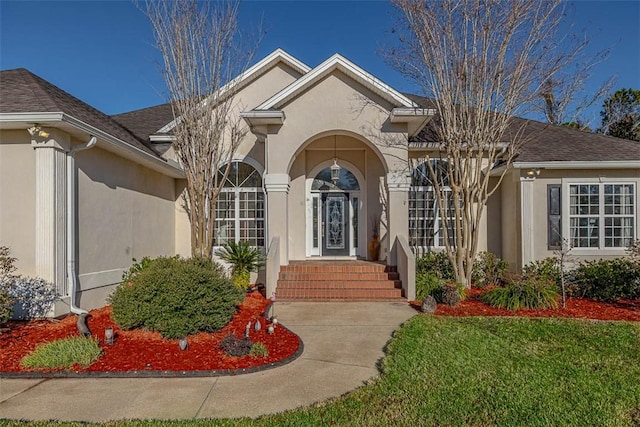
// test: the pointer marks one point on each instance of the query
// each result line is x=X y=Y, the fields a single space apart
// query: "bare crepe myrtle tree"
x=202 y=52
x=482 y=62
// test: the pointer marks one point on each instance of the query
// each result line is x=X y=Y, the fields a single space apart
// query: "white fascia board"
x=578 y=164
x=33 y=118
x=415 y=118
x=126 y=150
x=113 y=144
x=262 y=117
x=337 y=61
x=162 y=138
x=251 y=74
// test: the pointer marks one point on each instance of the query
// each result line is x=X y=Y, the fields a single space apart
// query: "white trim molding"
x=276 y=182
x=251 y=74
x=527 y=232
x=338 y=62
x=105 y=140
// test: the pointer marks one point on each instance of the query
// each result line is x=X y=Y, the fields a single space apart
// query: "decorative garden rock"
x=450 y=294
x=429 y=304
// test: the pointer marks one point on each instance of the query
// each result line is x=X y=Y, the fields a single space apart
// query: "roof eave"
x=415 y=118
x=106 y=140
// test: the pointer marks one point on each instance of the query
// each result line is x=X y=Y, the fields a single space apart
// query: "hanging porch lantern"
x=335 y=167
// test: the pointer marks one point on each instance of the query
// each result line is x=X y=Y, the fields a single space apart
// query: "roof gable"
x=253 y=73
x=337 y=62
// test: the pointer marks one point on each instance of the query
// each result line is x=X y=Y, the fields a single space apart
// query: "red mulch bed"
x=139 y=350
x=576 y=308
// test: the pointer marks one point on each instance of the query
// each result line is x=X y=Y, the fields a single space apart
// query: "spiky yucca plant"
x=243 y=258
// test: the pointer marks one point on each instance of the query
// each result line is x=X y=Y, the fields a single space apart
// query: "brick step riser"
x=337 y=269
x=345 y=294
x=325 y=284
x=296 y=276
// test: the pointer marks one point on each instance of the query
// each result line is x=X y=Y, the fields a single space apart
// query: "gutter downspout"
x=72 y=276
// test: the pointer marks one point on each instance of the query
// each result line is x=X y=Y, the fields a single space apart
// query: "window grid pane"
x=601 y=208
x=240 y=208
x=425 y=223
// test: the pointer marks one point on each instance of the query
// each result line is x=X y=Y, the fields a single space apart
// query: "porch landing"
x=338 y=280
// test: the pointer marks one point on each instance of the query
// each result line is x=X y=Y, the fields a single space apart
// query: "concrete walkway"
x=342 y=344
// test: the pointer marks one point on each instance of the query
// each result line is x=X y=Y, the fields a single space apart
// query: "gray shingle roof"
x=147 y=121
x=23 y=92
x=548 y=143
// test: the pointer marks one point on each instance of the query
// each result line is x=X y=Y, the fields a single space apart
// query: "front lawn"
x=489 y=371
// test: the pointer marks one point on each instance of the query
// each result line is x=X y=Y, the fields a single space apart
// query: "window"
x=601 y=215
x=240 y=207
x=425 y=223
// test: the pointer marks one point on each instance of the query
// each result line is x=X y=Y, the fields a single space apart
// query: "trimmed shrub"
x=609 y=280
x=63 y=353
x=137 y=267
x=236 y=347
x=532 y=293
x=176 y=297
x=488 y=270
x=436 y=263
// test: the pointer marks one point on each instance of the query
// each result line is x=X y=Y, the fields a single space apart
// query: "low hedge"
x=609 y=280
x=176 y=297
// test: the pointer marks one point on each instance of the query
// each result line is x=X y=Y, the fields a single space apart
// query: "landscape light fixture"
x=183 y=344
x=108 y=335
x=335 y=167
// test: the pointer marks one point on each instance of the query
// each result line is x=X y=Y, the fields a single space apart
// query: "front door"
x=335 y=224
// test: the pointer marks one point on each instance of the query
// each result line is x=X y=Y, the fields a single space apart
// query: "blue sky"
x=102 y=51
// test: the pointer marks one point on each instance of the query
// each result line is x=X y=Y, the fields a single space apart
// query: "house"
x=82 y=193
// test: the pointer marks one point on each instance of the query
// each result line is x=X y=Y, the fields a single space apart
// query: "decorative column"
x=526 y=218
x=277 y=187
x=50 y=150
x=398 y=185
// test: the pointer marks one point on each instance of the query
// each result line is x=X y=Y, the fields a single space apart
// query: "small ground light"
x=183 y=343
x=108 y=335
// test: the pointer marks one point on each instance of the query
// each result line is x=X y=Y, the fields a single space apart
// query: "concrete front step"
x=333 y=276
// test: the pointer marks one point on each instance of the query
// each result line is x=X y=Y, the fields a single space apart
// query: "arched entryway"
x=335 y=211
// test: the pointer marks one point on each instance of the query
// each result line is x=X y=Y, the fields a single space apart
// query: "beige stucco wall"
x=18 y=198
x=125 y=211
x=510 y=219
x=249 y=150
x=335 y=105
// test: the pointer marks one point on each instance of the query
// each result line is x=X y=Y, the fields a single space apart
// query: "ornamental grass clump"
x=176 y=297
x=63 y=353
x=243 y=259
x=532 y=293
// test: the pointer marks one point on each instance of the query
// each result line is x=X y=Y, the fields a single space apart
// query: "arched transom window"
x=240 y=207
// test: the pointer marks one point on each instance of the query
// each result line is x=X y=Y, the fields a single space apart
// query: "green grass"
x=63 y=353
x=484 y=372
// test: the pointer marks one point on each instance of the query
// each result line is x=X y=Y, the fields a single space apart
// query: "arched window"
x=346 y=181
x=425 y=222
x=240 y=207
